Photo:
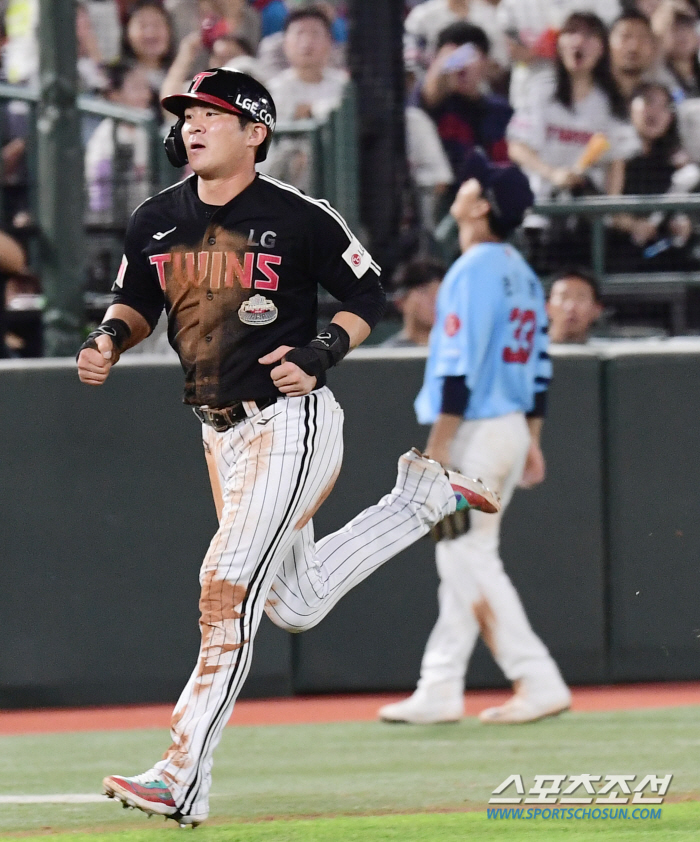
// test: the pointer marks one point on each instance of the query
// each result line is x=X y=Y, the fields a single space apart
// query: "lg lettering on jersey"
x=267 y=240
x=220 y=269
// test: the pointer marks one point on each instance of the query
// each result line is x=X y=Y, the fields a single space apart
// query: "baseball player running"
x=484 y=393
x=235 y=258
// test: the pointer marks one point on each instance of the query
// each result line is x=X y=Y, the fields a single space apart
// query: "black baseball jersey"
x=239 y=280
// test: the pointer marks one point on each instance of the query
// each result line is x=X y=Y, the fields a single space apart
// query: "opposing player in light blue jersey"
x=484 y=394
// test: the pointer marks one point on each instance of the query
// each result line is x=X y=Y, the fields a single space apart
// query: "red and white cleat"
x=470 y=493
x=149 y=793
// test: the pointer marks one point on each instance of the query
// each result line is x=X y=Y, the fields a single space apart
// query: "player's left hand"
x=534 y=471
x=288 y=377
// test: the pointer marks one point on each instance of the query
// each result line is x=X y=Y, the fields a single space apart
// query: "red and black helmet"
x=231 y=90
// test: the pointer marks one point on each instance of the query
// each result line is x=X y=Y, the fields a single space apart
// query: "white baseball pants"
x=475 y=594
x=270 y=473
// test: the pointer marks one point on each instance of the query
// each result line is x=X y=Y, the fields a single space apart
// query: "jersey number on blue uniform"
x=524 y=324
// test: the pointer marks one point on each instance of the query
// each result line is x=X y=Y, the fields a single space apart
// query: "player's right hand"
x=94 y=364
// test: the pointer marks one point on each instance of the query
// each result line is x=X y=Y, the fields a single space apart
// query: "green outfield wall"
x=106 y=513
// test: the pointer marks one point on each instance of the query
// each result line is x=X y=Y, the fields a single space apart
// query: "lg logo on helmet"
x=252 y=106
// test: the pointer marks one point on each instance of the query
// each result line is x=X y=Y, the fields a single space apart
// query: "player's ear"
x=257 y=133
x=480 y=209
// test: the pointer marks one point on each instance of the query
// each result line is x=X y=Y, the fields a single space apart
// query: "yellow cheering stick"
x=594 y=150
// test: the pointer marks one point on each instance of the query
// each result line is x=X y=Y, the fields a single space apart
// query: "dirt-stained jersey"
x=239 y=280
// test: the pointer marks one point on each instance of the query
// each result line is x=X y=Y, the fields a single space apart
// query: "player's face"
x=572 y=309
x=466 y=200
x=216 y=144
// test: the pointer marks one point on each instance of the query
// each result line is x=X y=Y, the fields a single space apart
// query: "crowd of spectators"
x=588 y=96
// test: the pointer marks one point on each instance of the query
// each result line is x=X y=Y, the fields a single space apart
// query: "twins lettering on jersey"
x=220 y=269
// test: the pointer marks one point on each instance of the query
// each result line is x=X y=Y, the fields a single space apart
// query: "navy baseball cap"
x=505 y=187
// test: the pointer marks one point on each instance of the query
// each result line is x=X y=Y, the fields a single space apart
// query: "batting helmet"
x=231 y=90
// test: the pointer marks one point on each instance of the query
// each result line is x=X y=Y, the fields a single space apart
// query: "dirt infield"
x=355 y=708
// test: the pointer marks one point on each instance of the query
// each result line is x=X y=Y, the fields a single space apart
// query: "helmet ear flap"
x=175 y=145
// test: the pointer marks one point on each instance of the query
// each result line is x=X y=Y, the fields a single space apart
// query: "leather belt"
x=223 y=419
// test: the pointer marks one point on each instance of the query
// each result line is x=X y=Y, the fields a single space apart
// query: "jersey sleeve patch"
x=119 y=282
x=452 y=325
x=357 y=257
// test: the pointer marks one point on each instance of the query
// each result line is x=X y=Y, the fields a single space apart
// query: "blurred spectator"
x=116 y=157
x=91 y=77
x=452 y=95
x=634 y=54
x=225 y=50
x=234 y=52
x=273 y=14
x=531 y=28
x=662 y=14
x=149 y=40
x=310 y=88
x=429 y=170
x=573 y=305
x=427 y=20
x=659 y=241
x=15 y=282
x=682 y=52
x=21 y=46
x=105 y=23
x=553 y=137
x=548 y=137
x=14 y=130
x=185 y=16
x=235 y=17
x=416 y=286
x=271 y=51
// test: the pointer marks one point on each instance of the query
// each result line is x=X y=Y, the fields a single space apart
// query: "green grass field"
x=364 y=781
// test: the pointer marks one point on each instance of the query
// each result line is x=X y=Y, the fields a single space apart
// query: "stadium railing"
x=670 y=286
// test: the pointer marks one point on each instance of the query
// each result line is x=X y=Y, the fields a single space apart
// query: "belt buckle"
x=219 y=420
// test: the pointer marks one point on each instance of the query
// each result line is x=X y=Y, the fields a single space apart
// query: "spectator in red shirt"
x=453 y=94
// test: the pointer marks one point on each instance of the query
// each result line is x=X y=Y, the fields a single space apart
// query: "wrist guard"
x=117 y=330
x=323 y=352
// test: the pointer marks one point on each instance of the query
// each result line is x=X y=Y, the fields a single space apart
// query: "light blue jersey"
x=491 y=327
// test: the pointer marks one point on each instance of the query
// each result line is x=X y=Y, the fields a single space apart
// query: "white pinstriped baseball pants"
x=476 y=594
x=274 y=470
